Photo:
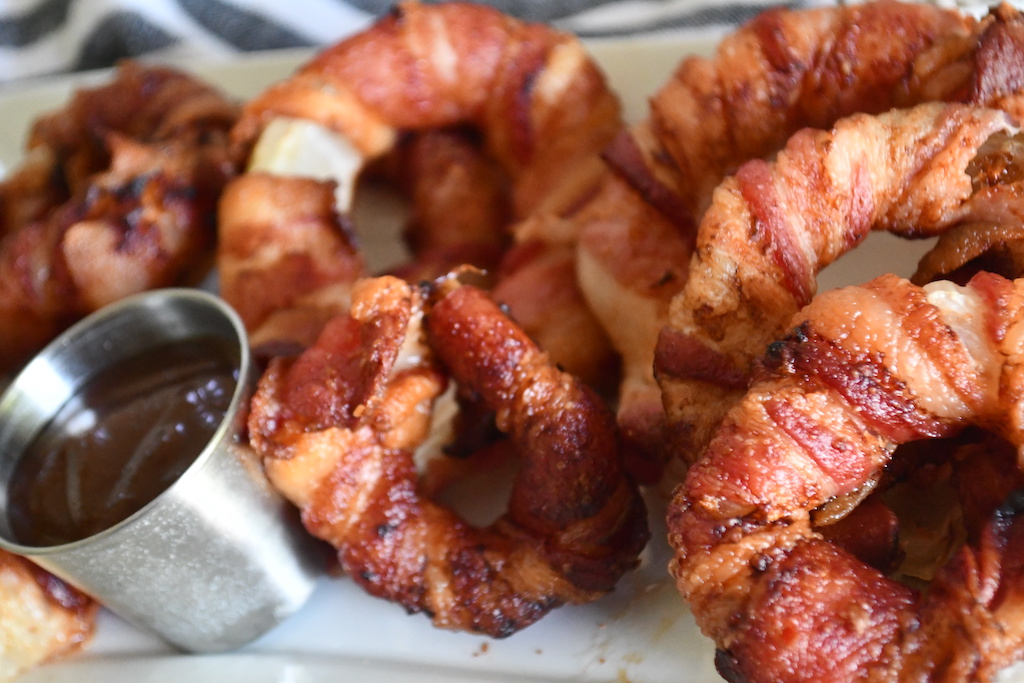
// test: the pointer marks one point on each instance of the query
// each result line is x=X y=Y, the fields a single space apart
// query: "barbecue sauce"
x=121 y=441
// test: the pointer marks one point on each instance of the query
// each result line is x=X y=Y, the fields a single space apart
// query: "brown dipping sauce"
x=121 y=441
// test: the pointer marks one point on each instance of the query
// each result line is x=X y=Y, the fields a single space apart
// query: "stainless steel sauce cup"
x=218 y=558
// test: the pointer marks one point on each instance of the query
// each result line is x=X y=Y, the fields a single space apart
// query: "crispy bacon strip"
x=338 y=428
x=789 y=69
x=771 y=230
x=117 y=195
x=783 y=71
x=866 y=368
x=501 y=119
x=286 y=259
x=539 y=102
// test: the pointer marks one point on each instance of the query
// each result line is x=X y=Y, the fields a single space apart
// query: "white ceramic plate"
x=642 y=633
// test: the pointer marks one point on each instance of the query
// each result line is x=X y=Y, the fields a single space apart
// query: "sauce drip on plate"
x=121 y=441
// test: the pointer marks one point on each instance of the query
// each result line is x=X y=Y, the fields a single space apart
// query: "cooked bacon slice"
x=339 y=428
x=117 y=194
x=865 y=369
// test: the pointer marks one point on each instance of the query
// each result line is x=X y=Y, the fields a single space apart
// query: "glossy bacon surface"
x=782 y=71
x=286 y=258
x=497 y=124
x=865 y=369
x=788 y=69
x=774 y=225
x=538 y=101
x=117 y=194
x=338 y=428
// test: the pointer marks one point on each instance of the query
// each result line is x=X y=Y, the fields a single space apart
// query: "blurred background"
x=41 y=37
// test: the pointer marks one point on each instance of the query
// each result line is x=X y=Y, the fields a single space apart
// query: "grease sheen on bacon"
x=774 y=225
x=866 y=368
x=782 y=71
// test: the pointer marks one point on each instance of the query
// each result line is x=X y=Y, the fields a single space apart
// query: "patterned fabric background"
x=40 y=37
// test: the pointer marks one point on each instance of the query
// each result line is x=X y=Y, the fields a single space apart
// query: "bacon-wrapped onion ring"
x=534 y=98
x=118 y=194
x=865 y=369
x=784 y=70
x=537 y=99
x=774 y=225
x=338 y=427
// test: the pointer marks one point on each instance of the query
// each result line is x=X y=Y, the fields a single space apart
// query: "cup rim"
x=71 y=335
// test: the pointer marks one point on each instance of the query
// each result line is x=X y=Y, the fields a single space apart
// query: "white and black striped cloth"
x=39 y=37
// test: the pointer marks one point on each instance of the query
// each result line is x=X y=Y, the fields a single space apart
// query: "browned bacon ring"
x=536 y=98
x=340 y=426
x=866 y=368
x=774 y=225
x=117 y=195
x=529 y=97
x=788 y=69
x=784 y=70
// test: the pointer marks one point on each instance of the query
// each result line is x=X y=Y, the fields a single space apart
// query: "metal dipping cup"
x=217 y=559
